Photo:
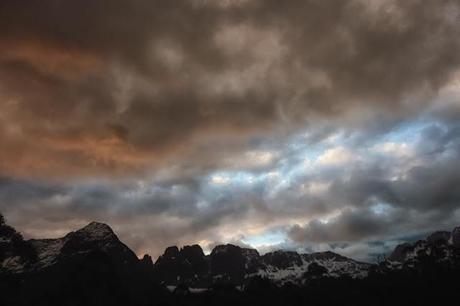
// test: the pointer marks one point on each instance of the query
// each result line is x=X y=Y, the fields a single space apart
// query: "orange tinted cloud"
x=90 y=88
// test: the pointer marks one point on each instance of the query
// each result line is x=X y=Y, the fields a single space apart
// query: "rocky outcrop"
x=438 y=249
x=282 y=259
x=87 y=267
x=235 y=265
x=15 y=253
x=91 y=266
x=231 y=263
x=455 y=237
x=400 y=252
x=187 y=265
x=439 y=237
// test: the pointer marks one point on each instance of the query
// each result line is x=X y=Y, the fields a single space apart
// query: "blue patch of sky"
x=271 y=237
x=381 y=208
x=295 y=155
x=297 y=152
x=407 y=132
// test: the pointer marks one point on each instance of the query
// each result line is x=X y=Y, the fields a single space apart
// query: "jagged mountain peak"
x=97 y=243
x=439 y=236
x=455 y=236
x=171 y=252
x=282 y=259
x=97 y=231
x=232 y=263
x=224 y=248
x=187 y=251
x=90 y=262
x=440 y=246
x=282 y=252
x=192 y=251
x=94 y=238
x=193 y=247
x=326 y=255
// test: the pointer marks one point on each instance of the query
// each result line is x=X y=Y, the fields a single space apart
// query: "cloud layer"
x=299 y=123
x=92 y=88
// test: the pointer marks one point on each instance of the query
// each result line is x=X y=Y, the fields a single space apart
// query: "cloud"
x=124 y=88
x=335 y=157
x=311 y=207
x=350 y=225
x=397 y=149
x=188 y=121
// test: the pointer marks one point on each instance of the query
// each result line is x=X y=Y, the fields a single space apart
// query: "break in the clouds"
x=307 y=125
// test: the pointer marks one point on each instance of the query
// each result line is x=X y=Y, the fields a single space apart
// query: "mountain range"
x=91 y=266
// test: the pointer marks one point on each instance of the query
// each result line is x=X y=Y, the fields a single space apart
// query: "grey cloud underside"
x=152 y=214
x=90 y=88
x=425 y=196
x=156 y=74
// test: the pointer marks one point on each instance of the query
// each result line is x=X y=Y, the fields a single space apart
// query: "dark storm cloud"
x=186 y=121
x=370 y=202
x=363 y=202
x=101 y=87
x=349 y=226
x=170 y=211
x=16 y=191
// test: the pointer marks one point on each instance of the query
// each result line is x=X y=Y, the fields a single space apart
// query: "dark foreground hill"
x=92 y=266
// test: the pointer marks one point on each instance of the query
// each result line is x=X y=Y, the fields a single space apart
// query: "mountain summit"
x=91 y=266
x=233 y=264
x=97 y=231
x=82 y=267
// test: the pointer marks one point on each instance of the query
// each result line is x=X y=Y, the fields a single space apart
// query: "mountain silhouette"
x=91 y=266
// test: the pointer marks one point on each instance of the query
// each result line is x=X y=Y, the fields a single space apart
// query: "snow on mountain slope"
x=96 y=242
x=283 y=267
x=47 y=252
x=438 y=248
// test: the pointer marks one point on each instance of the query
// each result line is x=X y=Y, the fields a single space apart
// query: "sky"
x=301 y=125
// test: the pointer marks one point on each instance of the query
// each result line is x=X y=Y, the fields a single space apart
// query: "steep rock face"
x=236 y=265
x=89 y=266
x=232 y=263
x=439 y=237
x=195 y=257
x=400 y=252
x=338 y=265
x=92 y=265
x=93 y=238
x=147 y=263
x=289 y=267
x=282 y=259
x=282 y=267
x=315 y=270
x=455 y=237
x=438 y=248
x=324 y=256
x=187 y=265
x=15 y=253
